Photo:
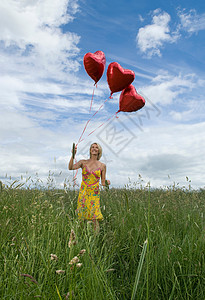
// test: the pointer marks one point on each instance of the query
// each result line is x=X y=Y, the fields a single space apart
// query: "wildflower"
x=82 y=252
x=72 y=240
x=79 y=265
x=54 y=257
x=60 y=271
x=74 y=260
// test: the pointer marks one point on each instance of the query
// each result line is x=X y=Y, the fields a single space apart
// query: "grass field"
x=151 y=245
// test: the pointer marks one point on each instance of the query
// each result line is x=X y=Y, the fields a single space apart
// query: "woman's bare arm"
x=75 y=166
x=104 y=182
x=103 y=174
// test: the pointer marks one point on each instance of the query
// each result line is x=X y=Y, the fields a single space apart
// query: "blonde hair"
x=99 y=150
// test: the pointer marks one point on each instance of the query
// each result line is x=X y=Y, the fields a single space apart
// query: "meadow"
x=151 y=245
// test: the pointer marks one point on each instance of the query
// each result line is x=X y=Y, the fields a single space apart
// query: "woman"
x=88 y=207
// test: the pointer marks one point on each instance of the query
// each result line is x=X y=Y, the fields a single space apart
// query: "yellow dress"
x=89 y=196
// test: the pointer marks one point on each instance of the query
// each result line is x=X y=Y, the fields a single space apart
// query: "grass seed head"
x=82 y=252
x=54 y=257
x=60 y=271
x=74 y=260
x=72 y=239
x=79 y=265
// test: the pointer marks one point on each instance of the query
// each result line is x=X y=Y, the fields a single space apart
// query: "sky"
x=46 y=93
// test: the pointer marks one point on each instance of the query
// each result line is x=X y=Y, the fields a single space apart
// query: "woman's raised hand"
x=74 y=149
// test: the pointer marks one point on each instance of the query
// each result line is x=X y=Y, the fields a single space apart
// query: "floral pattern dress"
x=89 y=196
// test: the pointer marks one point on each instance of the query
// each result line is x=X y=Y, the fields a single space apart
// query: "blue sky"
x=45 y=91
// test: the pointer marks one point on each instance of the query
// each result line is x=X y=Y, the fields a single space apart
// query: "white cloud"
x=191 y=21
x=168 y=149
x=32 y=39
x=156 y=153
x=166 y=88
x=38 y=62
x=141 y=18
x=151 y=38
x=38 y=59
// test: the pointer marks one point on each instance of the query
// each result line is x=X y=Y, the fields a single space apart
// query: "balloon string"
x=95 y=86
x=101 y=125
x=115 y=114
x=80 y=139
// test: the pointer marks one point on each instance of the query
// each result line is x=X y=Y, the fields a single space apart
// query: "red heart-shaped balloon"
x=118 y=78
x=94 y=64
x=130 y=100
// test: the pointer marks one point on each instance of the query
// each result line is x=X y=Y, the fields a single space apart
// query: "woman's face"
x=94 y=149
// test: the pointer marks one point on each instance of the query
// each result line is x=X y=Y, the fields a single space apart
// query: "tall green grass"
x=151 y=245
